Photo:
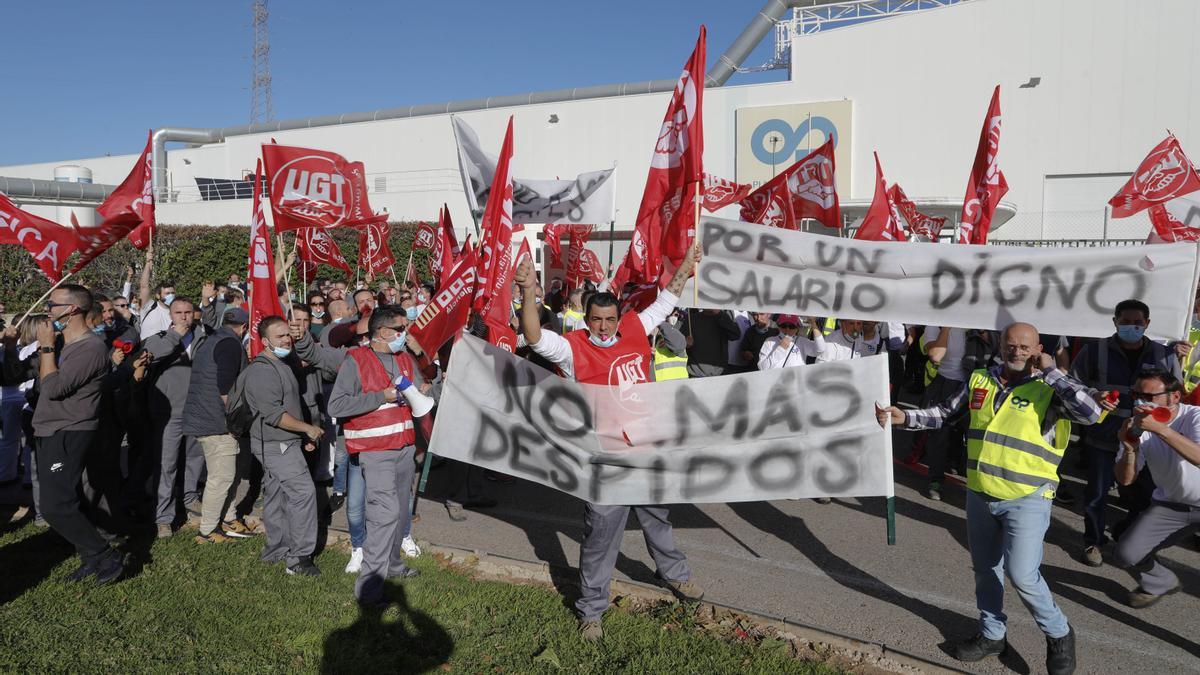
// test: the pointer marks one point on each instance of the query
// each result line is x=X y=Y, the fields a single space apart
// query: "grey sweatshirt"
x=271 y=390
x=70 y=397
x=171 y=366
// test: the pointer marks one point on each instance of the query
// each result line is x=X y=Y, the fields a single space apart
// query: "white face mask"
x=599 y=342
x=673 y=319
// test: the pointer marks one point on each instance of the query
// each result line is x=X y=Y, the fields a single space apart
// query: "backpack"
x=238 y=415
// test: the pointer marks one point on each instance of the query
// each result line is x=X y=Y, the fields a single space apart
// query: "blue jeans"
x=1007 y=536
x=356 y=500
x=1100 y=476
x=340 y=465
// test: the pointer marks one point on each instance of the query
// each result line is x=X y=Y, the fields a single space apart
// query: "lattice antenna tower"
x=261 y=108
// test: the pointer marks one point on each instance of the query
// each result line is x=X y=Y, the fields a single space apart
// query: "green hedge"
x=188 y=255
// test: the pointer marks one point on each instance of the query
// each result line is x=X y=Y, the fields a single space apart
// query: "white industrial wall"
x=1115 y=74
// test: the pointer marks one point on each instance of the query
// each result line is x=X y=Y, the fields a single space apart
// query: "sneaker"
x=410 y=548
x=239 y=529
x=686 y=591
x=456 y=513
x=1140 y=599
x=193 y=509
x=305 y=568
x=1092 y=557
x=935 y=491
x=214 y=537
x=336 y=500
x=591 y=631
x=405 y=572
x=82 y=573
x=1060 y=653
x=111 y=568
x=164 y=531
x=978 y=648
x=355 y=564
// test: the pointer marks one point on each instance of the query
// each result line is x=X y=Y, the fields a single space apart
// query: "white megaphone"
x=418 y=402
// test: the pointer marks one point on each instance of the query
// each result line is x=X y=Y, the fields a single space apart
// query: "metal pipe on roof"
x=51 y=192
x=726 y=65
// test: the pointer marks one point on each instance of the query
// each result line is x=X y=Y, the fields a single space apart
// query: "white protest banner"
x=1063 y=291
x=807 y=431
x=589 y=198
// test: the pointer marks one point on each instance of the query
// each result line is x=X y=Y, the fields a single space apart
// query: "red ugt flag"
x=136 y=194
x=374 y=252
x=721 y=192
x=315 y=188
x=927 y=226
x=1176 y=220
x=883 y=221
x=447 y=311
x=495 y=251
x=441 y=260
x=986 y=185
x=1165 y=173
x=264 y=300
x=805 y=189
x=578 y=264
x=315 y=247
x=665 y=223
x=48 y=242
x=93 y=241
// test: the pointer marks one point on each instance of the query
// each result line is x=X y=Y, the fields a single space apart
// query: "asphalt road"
x=829 y=566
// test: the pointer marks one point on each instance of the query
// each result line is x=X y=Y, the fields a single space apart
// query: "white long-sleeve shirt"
x=838 y=347
x=555 y=348
x=772 y=355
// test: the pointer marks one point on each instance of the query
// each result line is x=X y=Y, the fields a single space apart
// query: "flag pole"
x=287 y=289
x=696 y=269
x=41 y=299
x=392 y=269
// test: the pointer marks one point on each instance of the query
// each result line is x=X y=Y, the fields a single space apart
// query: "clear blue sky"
x=86 y=79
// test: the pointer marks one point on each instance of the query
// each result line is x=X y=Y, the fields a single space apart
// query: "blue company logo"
x=787 y=149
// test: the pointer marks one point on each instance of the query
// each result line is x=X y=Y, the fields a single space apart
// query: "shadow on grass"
x=381 y=641
x=29 y=561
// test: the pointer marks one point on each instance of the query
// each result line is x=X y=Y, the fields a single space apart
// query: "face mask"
x=98 y=330
x=537 y=301
x=412 y=313
x=398 y=342
x=673 y=319
x=1130 y=333
x=421 y=299
x=612 y=340
x=168 y=299
x=281 y=352
x=1139 y=403
x=318 y=315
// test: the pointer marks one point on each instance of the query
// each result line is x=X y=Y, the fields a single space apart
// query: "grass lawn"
x=218 y=609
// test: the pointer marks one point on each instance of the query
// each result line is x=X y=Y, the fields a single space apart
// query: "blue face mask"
x=168 y=299
x=612 y=340
x=1130 y=333
x=1139 y=403
x=281 y=352
x=412 y=313
x=58 y=325
x=98 y=330
x=398 y=342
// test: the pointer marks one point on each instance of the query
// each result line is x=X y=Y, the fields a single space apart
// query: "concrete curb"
x=843 y=651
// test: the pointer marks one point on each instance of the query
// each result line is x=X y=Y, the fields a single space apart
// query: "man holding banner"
x=1018 y=430
x=613 y=350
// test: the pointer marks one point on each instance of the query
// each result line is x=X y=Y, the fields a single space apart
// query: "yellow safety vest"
x=829 y=326
x=1191 y=370
x=931 y=368
x=1008 y=456
x=571 y=316
x=667 y=366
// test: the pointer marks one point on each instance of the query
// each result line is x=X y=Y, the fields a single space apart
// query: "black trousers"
x=61 y=459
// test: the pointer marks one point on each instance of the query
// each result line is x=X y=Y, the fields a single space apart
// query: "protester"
x=670 y=353
x=216 y=365
x=277 y=438
x=587 y=356
x=1171 y=450
x=789 y=348
x=756 y=335
x=945 y=348
x=381 y=439
x=571 y=316
x=737 y=363
x=1012 y=472
x=853 y=339
x=708 y=333
x=1111 y=364
x=154 y=314
x=71 y=366
x=171 y=364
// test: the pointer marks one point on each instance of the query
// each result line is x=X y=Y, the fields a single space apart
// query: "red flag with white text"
x=374 y=252
x=264 y=300
x=495 y=251
x=136 y=194
x=986 y=185
x=315 y=247
x=551 y=234
x=1164 y=174
x=916 y=222
x=425 y=238
x=665 y=223
x=578 y=264
x=48 y=242
x=806 y=189
x=721 y=192
x=315 y=188
x=92 y=241
x=447 y=311
x=1176 y=220
x=882 y=222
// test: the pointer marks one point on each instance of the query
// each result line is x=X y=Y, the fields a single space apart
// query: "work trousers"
x=61 y=458
x=388 y=475
x=221 y=458
x=1155 y=529
x=169 y=435
x=289 y=501
x=603 y=529
x=1006 y=536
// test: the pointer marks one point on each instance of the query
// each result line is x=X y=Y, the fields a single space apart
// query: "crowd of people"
x=125 y=411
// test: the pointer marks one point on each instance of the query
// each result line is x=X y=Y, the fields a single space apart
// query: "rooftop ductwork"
x=54 y=193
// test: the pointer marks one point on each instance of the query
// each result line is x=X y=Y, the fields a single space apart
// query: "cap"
x=787 y=320
x=237 y=315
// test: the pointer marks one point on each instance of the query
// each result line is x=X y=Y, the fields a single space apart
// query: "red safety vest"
x=390 y=426
x=625 y=363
